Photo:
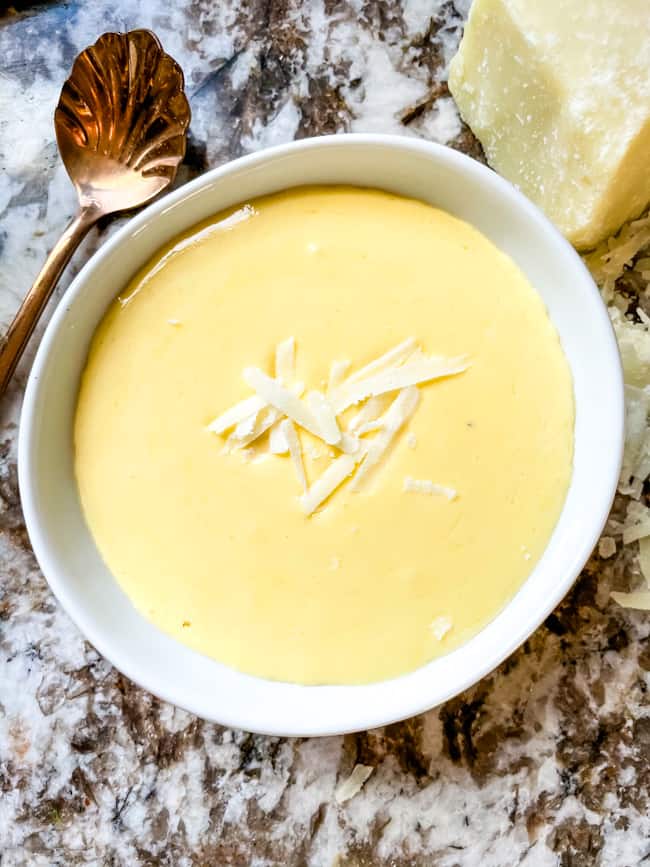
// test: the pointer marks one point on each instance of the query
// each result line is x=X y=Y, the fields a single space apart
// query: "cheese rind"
x=559 y=96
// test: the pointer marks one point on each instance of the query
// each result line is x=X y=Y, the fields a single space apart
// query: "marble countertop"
x=545 y=762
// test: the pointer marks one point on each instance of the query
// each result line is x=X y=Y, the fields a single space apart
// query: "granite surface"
x=545 y=762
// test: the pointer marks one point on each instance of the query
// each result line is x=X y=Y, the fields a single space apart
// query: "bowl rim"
x=596 y=513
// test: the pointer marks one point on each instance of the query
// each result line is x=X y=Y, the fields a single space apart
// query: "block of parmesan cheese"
x=558 y=93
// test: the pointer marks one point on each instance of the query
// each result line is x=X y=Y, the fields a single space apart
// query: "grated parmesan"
x=243 y=435
x=285 y=361
x=393 y=357
x=349 y=443
x=634 y=344
x=249 y=428
x=337 y=472
x=606 y=547
x=637 y=522
x=245 y=428
x=440 y=626
x=397 y=414
x=276 y=407
x=295 y=450
x=283 y=400
x=278 y=444
x=620 y=255
x=639 y=599
x=369 y=412
x=396 y=378
x=424 y=486
x=325 y=418
x=236 y=414
x=338 y=370
x=370 y=426
x=644 y=558
x=354 y=783
x=636 y=452
x=611 y=258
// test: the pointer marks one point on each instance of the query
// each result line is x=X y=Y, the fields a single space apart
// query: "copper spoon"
x=120 y=125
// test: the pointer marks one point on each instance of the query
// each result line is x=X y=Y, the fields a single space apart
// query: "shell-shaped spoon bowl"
x=121 y=121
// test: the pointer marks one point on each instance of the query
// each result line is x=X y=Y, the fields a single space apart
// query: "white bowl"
x=64 y=546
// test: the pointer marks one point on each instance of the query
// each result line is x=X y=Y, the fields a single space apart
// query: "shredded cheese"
x=636 y=456
x=337 y=472
x=245 y=428
x=424 y=486
x=644 y=559
x=325 y=418
x=637 y=522
x=276 y=407
x=285 y=354
x=634 y=344
x=278 y=444
x=391 y=358
x=627 y=253
x=440 y=626
x=370 y=427
x=606 y=547
x=611 y=258
x=338 y=370
x=240 y=439
x=396 y=378
x=397 y=414
x=295 y=450
x=354 y=783
x=349 y=443
x=636 y=599
x=369 y=412
x=271 y=391
x=236 y=414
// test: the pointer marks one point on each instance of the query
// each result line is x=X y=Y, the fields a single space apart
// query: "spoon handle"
x=20 y=330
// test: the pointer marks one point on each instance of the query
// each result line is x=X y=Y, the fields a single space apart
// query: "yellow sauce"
x=213 y=548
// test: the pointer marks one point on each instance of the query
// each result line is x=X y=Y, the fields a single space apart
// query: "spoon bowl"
x=121 y=121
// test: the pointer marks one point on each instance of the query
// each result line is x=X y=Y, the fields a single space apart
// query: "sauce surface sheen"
x=213 y=548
